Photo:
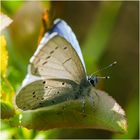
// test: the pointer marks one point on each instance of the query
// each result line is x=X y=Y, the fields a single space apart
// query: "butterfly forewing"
x=64 y=30
x=57 y=59
x=45 y=92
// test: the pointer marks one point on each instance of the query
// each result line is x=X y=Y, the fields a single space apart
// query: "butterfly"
x=56 y=72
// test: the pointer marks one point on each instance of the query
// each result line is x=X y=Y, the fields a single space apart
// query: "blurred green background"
x=106 y=31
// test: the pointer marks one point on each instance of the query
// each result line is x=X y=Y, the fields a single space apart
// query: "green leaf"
x=7 y=94
x=133 y=120
x=7 y=111
x=104 y=113
x=11 y=6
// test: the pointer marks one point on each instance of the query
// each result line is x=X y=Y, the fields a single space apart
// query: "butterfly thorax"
x=85 y=87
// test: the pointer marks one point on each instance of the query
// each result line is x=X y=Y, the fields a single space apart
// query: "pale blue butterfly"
x=56 y=72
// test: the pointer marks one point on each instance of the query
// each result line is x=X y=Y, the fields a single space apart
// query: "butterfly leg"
x=92 y=102
x=84 y=106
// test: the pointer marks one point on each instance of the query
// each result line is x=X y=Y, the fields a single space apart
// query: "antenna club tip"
x=107 y=77
x=115 y=62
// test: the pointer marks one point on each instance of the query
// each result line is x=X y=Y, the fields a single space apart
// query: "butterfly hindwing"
x=57 y=59
x=45 y=92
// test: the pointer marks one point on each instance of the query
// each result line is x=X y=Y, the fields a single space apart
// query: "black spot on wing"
x=53 y=101
x=40 y=103
x=44 y=62
x=56 y=47
x=48 y=57
x=34 y=96
x=63 y=83
x=51 y=52
x=65 y=48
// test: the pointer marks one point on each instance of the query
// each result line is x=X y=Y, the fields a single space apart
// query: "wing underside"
x=46 y=92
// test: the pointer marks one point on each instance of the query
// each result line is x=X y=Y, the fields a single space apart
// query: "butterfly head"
x=93 y=80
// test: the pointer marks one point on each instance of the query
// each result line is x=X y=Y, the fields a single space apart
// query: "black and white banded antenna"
x=109 y=66
x=94 y=78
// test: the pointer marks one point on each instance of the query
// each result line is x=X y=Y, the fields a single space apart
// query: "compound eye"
x=93 y=80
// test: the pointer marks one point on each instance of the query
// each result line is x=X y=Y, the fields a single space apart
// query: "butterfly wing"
x=45 y=92
x=64 y=30
x=56 y=58
x=57 y=64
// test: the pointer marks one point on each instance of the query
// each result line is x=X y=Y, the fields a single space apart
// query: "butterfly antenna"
x=104 y=77
x=110 y=65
